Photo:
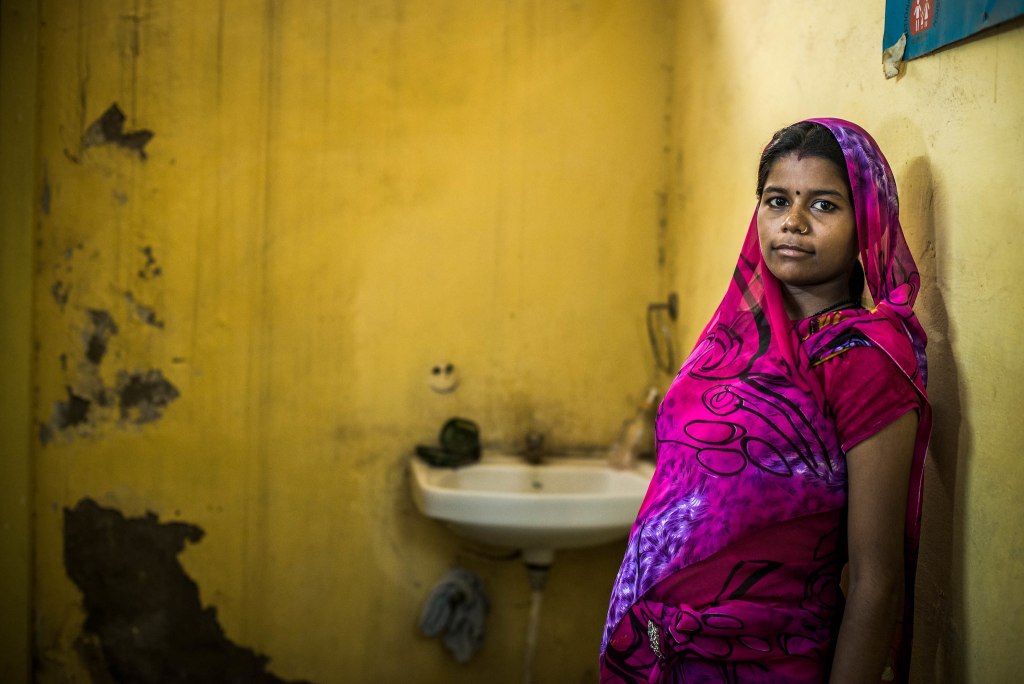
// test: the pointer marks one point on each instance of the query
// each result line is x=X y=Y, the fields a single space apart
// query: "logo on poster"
x=922 y=12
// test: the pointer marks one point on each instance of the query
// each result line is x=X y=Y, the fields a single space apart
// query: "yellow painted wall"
x=337 y=196
x=952 y=126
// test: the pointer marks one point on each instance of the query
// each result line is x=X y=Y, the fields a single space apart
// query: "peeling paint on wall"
x=72 y=412
x=150 y=269
x=60 y=291
x=140 y=393
x=144 y=395
x=143 y=608
x=146 y=314
x=98 y=335
x=109 y=129
x=139 y=396
x=80 y=410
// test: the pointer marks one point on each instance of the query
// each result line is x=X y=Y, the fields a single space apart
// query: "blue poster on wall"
x=931 y=24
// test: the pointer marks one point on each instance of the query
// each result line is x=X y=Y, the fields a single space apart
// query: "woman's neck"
x=803 y=302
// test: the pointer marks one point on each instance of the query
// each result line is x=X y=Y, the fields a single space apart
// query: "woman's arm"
x=878 y=471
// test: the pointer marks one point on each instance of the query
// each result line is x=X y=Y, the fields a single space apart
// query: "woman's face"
x=805 y=222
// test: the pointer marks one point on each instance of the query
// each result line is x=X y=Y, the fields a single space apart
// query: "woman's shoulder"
x=833 y=336
x=864 y=359
x=865 y=390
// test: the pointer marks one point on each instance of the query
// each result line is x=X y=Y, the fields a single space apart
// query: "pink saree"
x=731 y=572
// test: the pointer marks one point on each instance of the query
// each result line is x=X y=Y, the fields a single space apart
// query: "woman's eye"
x=824 y=205
x=776 y=202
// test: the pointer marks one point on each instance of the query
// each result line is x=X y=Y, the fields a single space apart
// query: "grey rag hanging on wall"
x=457 y=606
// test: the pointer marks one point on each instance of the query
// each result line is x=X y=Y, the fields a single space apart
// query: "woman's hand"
x=878 y=470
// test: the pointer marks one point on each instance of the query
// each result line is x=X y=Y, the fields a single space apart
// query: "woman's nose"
x=793 y=221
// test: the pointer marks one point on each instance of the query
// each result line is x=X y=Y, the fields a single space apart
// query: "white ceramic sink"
x=563 y=503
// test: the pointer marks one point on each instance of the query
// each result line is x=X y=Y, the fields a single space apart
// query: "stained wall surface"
x=259 y=227
x=952 y=127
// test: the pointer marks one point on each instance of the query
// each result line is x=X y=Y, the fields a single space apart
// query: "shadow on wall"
x=939 y=617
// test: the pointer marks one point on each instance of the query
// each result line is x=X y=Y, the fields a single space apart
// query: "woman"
x=791 y=442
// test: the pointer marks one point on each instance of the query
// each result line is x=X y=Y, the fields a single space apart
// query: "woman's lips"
x=791 y=250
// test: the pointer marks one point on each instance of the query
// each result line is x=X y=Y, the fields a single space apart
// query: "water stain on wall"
x=142 y=607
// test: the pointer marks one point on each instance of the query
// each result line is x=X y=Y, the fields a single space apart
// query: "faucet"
x=534 y=453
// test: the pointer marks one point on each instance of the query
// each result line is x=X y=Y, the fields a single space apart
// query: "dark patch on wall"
x=72 y=412
x=98 y=335
x=109 y=129
x=142 y=606
x=150 y=268
x=60 y=292
x=68 y=414
x=138 y=397
x=144 y=395
x=146 y=314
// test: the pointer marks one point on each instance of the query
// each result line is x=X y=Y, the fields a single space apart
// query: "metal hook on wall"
x=663 y=348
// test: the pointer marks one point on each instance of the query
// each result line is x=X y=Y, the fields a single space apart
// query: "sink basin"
x=563 y=503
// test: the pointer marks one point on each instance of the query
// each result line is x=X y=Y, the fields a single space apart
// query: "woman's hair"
x=809 y=139
x=805 y=139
